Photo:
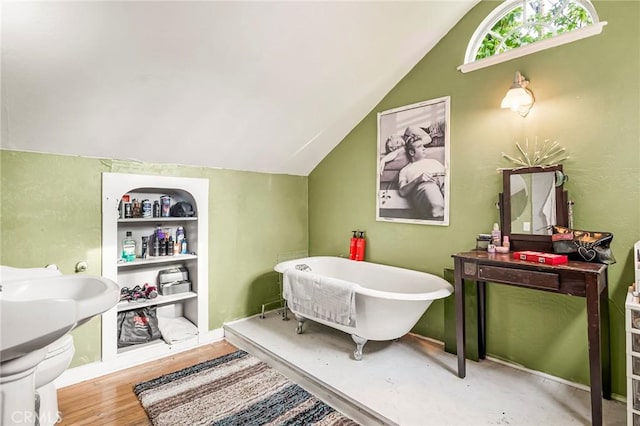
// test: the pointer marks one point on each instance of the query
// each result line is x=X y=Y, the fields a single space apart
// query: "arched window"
x=520 y=27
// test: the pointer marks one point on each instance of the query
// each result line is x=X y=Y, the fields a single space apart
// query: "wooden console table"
x=583 y=279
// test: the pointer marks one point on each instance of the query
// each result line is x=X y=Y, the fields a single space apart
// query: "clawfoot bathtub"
x=389 y=301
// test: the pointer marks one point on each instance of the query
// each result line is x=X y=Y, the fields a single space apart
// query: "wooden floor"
x=109 y=400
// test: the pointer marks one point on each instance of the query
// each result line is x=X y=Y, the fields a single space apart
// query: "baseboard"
x=614 y=396
x=75 y=375
x=580 y=386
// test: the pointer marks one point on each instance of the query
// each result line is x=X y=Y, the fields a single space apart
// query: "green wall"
x=588 y=99
x=51 y=213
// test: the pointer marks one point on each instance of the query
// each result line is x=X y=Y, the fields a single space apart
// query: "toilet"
x=58 y=358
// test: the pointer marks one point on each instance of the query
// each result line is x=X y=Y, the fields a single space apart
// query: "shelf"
x=160 y=300
x=191 y=305
x=157 y=219
x=158 y=344
x=158 y=259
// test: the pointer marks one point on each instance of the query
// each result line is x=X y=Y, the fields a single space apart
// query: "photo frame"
x=413 y=176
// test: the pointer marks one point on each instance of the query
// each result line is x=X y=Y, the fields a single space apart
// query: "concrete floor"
x=412 y=381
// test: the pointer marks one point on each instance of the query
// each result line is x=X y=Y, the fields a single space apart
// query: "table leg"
x=604 y=338
x=482 y=320
x=460 y=329
x=595 y=366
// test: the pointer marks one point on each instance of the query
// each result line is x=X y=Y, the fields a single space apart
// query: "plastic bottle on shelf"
x=170 y=247
x=163 y=247
x=144 y=250
x=129 y=248
x=156 y=246
x=180 y=234
x=165 y=206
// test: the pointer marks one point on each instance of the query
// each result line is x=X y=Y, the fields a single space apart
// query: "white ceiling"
x=260 y=86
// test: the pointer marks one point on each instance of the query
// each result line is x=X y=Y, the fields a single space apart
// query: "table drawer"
x=519 y=277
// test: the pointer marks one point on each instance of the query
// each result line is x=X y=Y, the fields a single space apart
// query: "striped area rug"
x=231 y=390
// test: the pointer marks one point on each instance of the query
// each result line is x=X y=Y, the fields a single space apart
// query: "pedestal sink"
x=35 y=312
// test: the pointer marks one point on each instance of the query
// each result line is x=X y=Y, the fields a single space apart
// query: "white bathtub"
x=389 y=300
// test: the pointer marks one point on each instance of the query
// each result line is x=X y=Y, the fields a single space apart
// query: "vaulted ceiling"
x=261 y=86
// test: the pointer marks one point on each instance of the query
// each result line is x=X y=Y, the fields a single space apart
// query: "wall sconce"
x=519 y=98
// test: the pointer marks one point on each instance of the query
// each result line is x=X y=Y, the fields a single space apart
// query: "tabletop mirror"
x=532 y=201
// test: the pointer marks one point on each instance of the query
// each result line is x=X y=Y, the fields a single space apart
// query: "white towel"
x=320 y=297
x=175 y=330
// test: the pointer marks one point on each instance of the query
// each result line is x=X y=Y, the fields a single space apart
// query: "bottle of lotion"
x=496 y=235
x=505 y=241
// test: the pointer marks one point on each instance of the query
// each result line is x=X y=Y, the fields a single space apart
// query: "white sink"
x=36 y=311
x=37 y=307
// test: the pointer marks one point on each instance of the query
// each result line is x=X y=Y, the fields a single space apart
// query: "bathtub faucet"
x=303 y=267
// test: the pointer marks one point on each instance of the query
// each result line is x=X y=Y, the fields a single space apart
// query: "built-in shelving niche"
x=192 y=305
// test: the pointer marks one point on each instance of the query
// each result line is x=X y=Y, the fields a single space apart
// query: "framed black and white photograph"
x=413 y=163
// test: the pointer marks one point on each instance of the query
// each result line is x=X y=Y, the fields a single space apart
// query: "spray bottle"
x=352 y=245
x=360 y=246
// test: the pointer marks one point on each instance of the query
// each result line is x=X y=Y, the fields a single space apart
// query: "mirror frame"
x=530 y=241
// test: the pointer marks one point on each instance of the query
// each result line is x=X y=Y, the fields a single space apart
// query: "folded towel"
x=175 y=330
x=321 y=297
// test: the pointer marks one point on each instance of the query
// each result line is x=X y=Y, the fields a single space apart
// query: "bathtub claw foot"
x=301 y=321
x=357 y=354
x=360 y=342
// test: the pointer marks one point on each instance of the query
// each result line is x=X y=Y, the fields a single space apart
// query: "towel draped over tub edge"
x=321 y=297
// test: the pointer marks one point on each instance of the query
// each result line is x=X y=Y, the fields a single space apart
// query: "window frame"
x=499 y=12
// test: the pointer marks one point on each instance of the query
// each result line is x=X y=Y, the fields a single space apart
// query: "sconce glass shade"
x=518 y=98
